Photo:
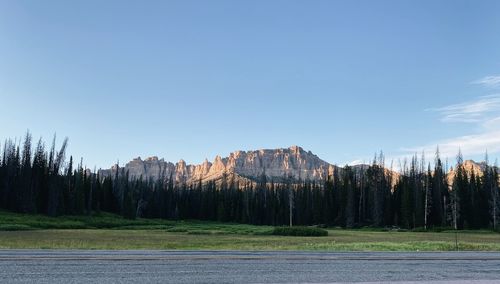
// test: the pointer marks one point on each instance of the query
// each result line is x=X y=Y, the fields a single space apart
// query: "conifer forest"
x=39 y=180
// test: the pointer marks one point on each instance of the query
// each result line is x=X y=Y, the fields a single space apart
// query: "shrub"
x=14 y=227
x=177 y=230
x=300 y=231
x=199 y=232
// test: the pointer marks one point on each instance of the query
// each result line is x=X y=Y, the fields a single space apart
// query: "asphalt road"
x=83 y=266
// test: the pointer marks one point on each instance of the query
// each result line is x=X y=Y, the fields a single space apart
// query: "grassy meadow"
x=108 y=231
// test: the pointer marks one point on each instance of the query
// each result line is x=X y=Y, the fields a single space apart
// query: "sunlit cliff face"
x=275 y=164
x=293 y=164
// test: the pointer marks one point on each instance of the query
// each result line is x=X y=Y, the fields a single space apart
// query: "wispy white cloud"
x=483 y=113
x=489 y=81
x=472 y=111
x=476 y=144
x=492 y=123
x=356 y=162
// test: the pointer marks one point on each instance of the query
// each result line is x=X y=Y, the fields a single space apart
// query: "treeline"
x=37 y=180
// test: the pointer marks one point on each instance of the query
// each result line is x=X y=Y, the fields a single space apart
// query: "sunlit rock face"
x=470 y=167
x=293 y=163
x=276 y=164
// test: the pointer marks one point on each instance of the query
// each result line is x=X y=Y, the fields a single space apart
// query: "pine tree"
x=439 y=193
x=26 y=201
x=460 y=194
x=428 y=196
x=491 y=184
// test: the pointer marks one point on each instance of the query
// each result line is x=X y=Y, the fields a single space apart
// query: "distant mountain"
x=276 y=164
x=470 y=167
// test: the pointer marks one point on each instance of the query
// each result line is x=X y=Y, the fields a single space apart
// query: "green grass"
x=14 y=221
x=108 y=231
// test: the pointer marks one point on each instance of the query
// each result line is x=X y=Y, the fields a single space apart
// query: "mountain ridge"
x=278 y=164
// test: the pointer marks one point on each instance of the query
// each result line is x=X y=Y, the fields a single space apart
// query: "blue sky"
x=193 y=79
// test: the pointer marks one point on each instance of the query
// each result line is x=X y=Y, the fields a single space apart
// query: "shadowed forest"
x=37 y=179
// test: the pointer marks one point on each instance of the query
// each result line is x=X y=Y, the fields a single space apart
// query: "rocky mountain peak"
x=151 y=159
x=276 y=164
x=296 y=149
